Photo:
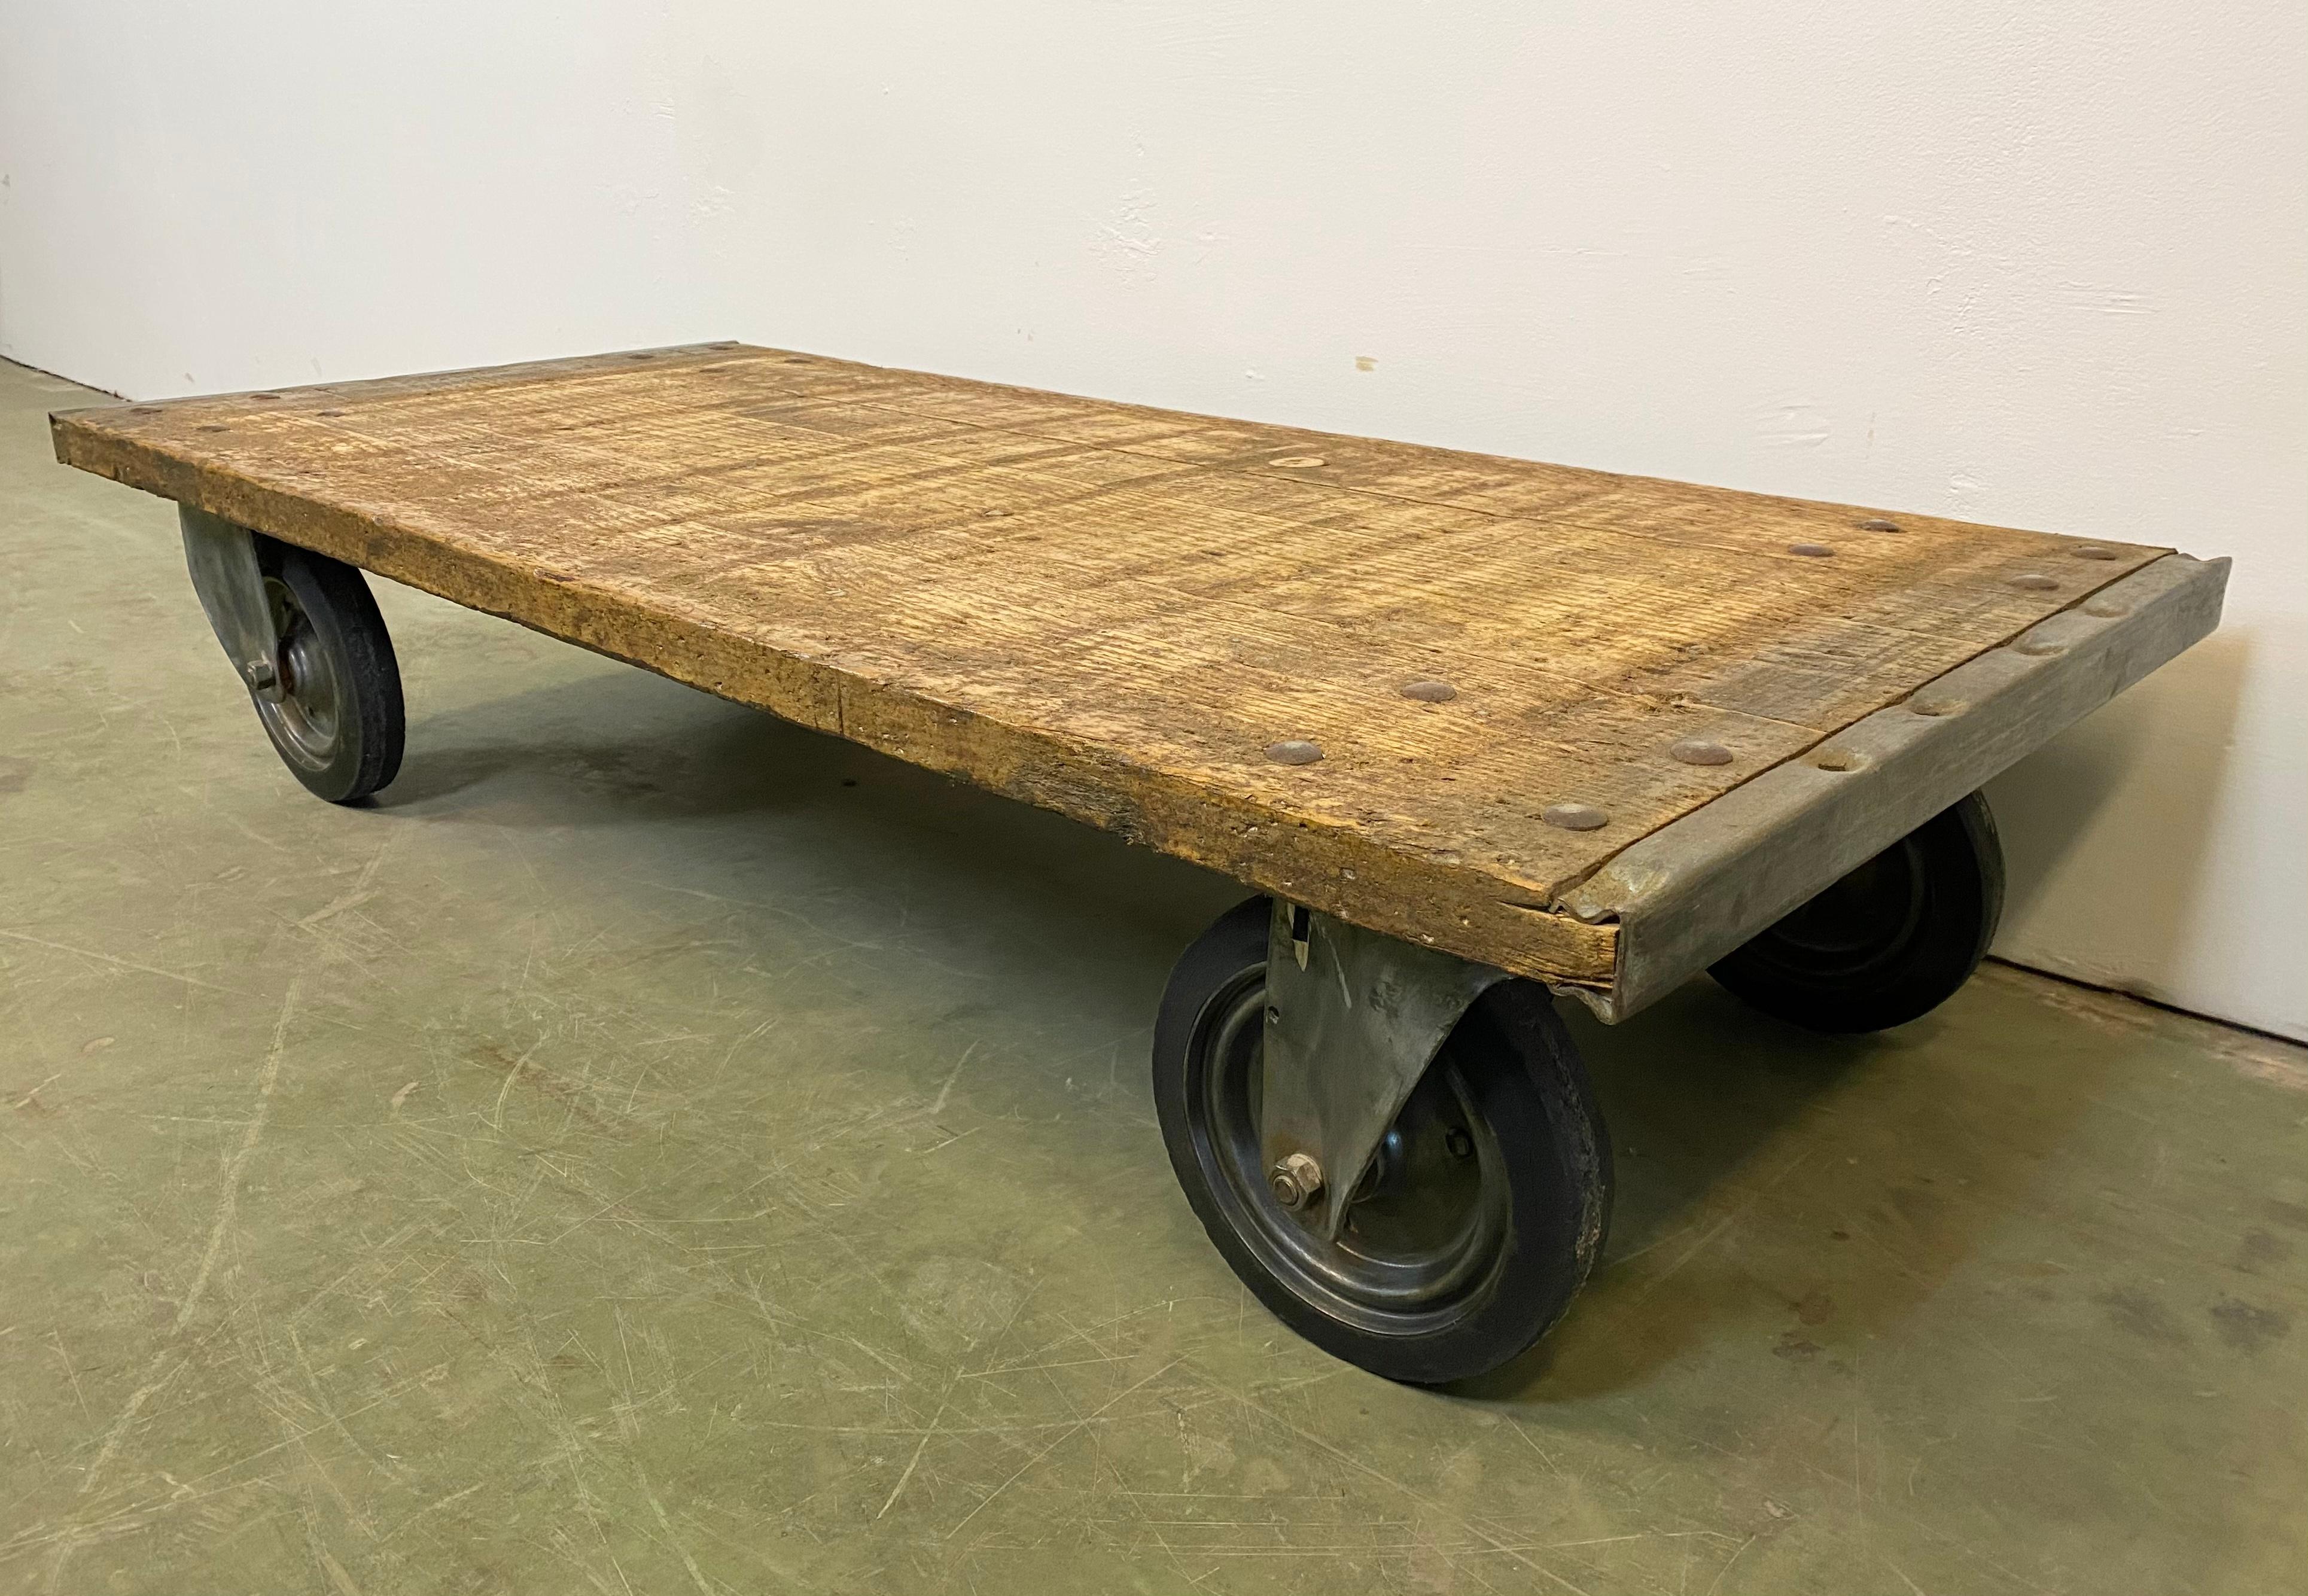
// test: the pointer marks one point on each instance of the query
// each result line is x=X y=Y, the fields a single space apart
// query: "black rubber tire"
x=1513 y=1092
x=331 y=613
x=1889 y=942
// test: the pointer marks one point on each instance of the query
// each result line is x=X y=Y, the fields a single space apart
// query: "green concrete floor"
x=656 y=1149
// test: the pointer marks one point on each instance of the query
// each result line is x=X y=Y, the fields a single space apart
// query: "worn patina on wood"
x=1116 y=612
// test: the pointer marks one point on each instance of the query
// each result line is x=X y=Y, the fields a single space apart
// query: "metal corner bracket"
x=1702 y=885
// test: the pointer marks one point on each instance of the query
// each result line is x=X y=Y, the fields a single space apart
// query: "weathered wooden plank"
x=1113 y=612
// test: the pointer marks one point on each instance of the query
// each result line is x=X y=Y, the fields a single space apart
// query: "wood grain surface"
x=1115 y=612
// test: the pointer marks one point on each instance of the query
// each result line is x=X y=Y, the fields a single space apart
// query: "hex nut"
x=1296 y=1179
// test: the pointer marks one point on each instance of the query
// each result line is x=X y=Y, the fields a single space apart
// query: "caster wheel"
x=1889 y=942
x=1480 y=1216
x=336 y=717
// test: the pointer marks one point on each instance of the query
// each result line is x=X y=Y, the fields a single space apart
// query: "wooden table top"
x=1138 y=617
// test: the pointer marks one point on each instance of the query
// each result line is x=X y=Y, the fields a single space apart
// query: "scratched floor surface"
x=654 y=1150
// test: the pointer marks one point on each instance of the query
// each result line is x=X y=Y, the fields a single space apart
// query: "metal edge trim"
x=1699 y=886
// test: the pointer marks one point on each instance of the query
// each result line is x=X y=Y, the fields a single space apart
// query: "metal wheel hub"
x=1424 y=1227
x=1864 y=920
x=304 y=713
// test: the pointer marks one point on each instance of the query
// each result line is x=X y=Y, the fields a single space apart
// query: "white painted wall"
x=2042 y=265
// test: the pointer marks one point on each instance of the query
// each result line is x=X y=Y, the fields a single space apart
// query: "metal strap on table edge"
x=1702 y=885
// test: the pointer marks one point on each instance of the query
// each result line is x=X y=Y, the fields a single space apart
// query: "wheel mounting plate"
x=1353 y=1019
x=223 y=559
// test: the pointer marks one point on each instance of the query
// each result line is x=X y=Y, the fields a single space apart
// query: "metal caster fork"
x=303 y=633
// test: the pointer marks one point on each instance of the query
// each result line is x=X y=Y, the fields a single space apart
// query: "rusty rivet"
x=1698 y=750
x=1297 y=462
x=1294 y=751
x=2107 y=609
x=1935 y=706
x=2092 y=551
x=1818 y=551
x=2034 y=579
x=1574 y=817
x=1837 y=759
x=1430 y=692
x=1876 y=524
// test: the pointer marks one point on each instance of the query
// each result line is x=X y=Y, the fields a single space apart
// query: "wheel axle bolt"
x=1297 y=1180
x=1459 y=1143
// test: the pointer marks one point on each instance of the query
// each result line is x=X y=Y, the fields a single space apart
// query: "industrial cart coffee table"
x=1477 y=730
